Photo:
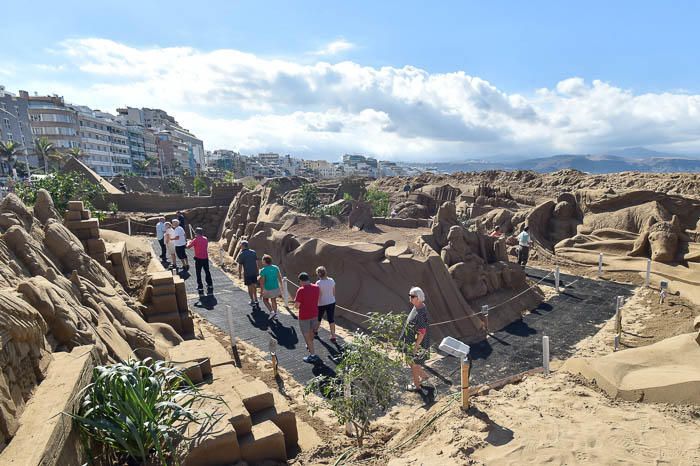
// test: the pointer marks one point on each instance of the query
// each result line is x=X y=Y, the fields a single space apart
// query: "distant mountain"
x=640 y=153
x=598 y=164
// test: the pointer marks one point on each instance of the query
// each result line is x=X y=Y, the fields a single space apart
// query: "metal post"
x=647 y=280
x=556 y=279
x=485 y=310
x=285 y=292
x=273 y=356
x=545 y=354
x=466 y=369
x=600 y=264
x=618 y=322
x=128 y=225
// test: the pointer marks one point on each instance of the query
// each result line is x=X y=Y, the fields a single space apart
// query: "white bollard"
x=229 y=316
x=221 y=256
x=616 y=343
x=128 y=225
x=347 y=394
x=485 y=310
x=600 y=264
x=545 y=354
x=647 y=280
x=285 y=292
x=556 y=279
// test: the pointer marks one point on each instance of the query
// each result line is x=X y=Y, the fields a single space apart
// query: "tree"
x=63 y=187
x=379 y=200
x=367 y=378
x=75 y=152
x=199 y=184
x=307 y=199
x=44 y=148
x=8 y=155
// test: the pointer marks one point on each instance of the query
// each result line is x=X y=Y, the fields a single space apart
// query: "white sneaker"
x=273 y=316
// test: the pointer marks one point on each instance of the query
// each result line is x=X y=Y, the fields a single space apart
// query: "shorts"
x=250 y=280
x=170 y=248
x=307 y=325
x=329 y=310
x=269 y=294
x=181 y=252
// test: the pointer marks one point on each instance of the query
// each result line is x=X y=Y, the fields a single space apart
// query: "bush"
x=199 y=185
x=307 y=198
x=63 y=187
x=368 y=376
x=379 y=200
x=141 y=412
x=113 y=207
x=176 y=184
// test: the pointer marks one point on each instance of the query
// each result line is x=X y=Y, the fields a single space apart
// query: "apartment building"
x=104 y=141
x=322 y=168
x=14 y=119
x=51 y=118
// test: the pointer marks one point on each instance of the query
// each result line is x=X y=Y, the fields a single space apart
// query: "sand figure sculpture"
x=660 y=241
x=55 y=297
x=361 y=216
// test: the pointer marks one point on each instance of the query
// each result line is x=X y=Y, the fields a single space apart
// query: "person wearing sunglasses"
x=416 y=339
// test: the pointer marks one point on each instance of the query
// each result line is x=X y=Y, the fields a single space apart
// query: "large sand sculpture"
x=55 y=298
x=459 y=270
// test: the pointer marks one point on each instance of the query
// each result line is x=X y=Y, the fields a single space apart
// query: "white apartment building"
x=323 y=168
x=104 y=141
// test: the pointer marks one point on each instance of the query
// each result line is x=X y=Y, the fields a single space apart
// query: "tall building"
x=179 y=147
x=104 y=141
x=14 y=124
x=51 y=118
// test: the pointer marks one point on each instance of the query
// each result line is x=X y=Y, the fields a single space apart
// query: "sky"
x=403 y=80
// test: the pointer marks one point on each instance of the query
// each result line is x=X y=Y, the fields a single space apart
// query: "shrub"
x=141 y=412
x=199 y=185
x=113 y=207
x=176 y=184
x=250 y=183
x=379 y=200
x=307 y=198
x=367 y=378
x=63 y=187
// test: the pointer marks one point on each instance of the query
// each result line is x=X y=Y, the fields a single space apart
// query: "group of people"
x=316 y=300
x=172 y=238
x=524 y=243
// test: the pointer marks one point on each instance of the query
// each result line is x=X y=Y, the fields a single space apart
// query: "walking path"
x=567 y=318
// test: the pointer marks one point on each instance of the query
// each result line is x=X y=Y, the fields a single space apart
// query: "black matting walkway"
x=568 y=318
x=253 y=326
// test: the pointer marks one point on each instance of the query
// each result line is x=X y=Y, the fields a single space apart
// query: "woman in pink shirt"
x=200 y=243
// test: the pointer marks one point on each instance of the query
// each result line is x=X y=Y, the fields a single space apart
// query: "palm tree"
x=58 y=158
x=142 y=165
x=44 y=148
x=75 y=152
x=8 y=155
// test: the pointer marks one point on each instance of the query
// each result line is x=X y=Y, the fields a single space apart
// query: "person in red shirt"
x=496 y=233
x=306 y=301
x=200 y=243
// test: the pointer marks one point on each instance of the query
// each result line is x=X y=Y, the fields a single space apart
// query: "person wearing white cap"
x=416 y=338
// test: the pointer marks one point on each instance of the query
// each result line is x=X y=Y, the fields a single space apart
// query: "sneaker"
x=252 y=303
x=273 y=316
x=333 y=340
x=311 y=358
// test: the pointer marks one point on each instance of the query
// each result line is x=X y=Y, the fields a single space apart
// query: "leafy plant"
x=307 y=198
x=113 y=207
x=229 y=177
x=347 y=197
x=176 y=184
x=63 y=187
x=8 y=155
x=44 y=149
x=141 y=412
x=199 y=184
x=250 y=183
x=379 y=200
x=100 y=215
x=367 y=378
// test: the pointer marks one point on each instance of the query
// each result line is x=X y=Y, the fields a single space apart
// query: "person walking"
x=407 y=189
x=181 y=218
x=160 y=235
x=306 y=302
x=524 y=243
x=200 y=243
x=170 y=243
x=416 y=338
x=248 y=267
x=326 y=302
x=178 y=236
x=270 y=281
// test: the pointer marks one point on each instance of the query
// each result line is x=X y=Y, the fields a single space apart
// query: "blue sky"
x=481 y=78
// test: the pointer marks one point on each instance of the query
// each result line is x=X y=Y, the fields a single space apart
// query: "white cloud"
x=239 y=100
x=334 y=48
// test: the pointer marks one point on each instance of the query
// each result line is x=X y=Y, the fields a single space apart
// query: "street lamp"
x=21 y=135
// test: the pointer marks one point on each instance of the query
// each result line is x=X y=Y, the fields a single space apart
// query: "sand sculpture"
x=56 y=298
x=375 y=277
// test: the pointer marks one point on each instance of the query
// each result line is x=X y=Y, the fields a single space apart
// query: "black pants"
x=162 y=249
x=523 y=254
x=200 y=264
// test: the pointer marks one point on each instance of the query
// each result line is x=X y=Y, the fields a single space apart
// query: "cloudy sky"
x=397 y=80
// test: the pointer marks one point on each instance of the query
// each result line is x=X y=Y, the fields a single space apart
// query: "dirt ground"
x=339 y=232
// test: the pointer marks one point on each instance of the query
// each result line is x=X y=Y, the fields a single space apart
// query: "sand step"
x=218 y=448
x=264 y=442
x=255 y=394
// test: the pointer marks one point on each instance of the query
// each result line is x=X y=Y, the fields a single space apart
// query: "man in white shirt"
x=178 y=237
x=160 y=235
x=524 y=243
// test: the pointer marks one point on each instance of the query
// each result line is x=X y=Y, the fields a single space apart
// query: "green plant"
x=141 y=412
x=347 y=197
x=250 y=183
x=176 y=184
x=63 y=187
x=8 y=155
x=199 y=184
x=44 y=149
x=307 y=198
x=113 y=207
x=379 y=200
x=367 y=378
x=229 y=177
x=100 y=215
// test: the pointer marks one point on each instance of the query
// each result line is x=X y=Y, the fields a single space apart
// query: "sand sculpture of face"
x=663 y=242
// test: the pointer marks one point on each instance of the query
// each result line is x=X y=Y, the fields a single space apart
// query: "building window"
x=7 y=122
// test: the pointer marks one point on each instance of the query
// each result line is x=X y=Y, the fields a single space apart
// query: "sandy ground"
x=339 y=232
